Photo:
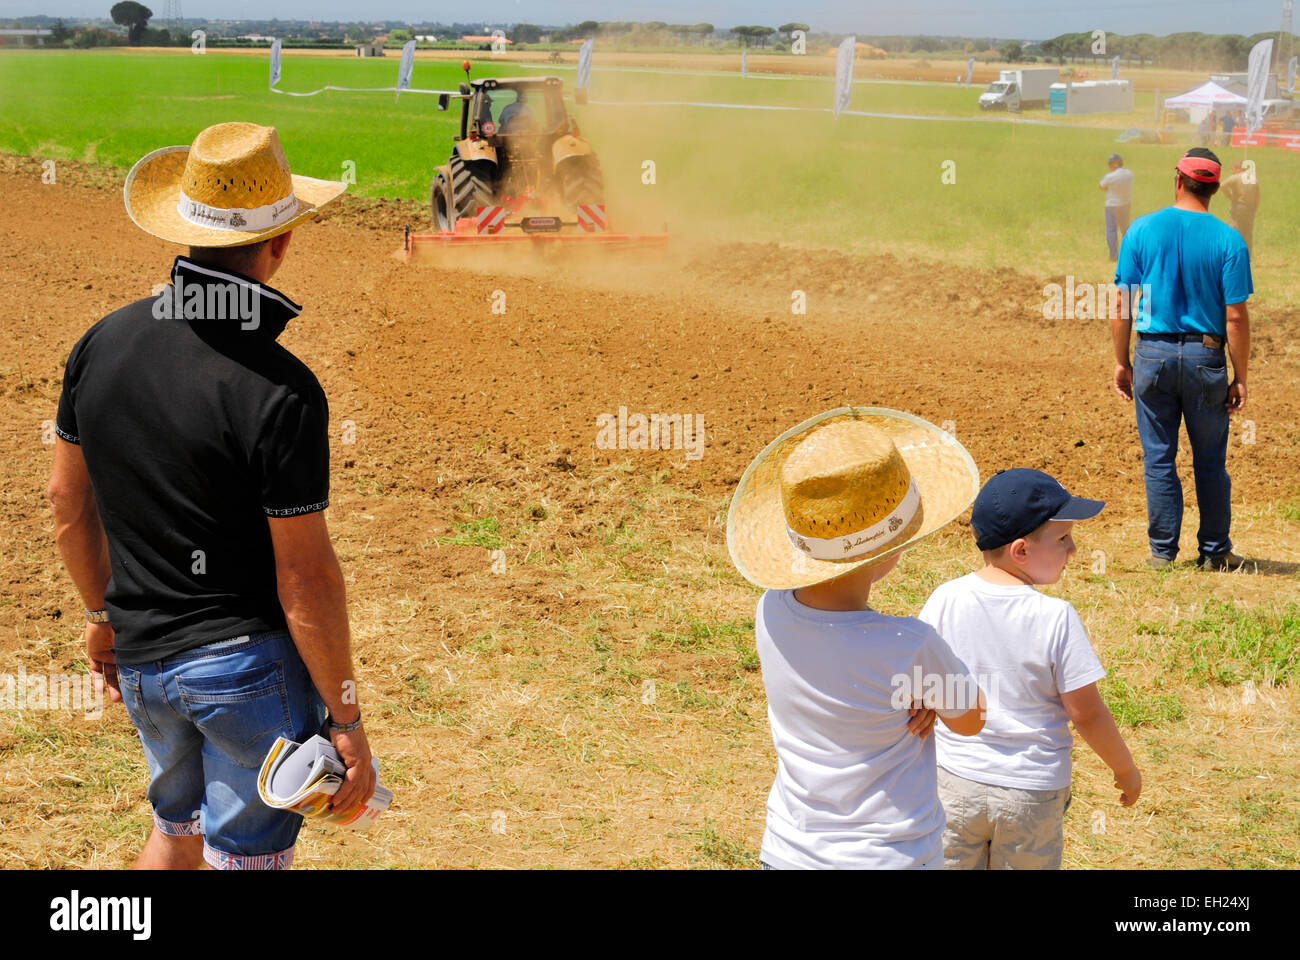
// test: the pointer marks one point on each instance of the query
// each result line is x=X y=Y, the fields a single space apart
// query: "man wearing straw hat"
x=824 y=512
x=1197 y=269
x=190 y=477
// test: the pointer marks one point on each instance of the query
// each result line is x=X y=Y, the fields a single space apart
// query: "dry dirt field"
x=598 y=703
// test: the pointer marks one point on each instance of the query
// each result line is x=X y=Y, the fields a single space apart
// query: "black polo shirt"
x=196 y=426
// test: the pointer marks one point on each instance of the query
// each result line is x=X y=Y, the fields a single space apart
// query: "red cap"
x=1199 y=168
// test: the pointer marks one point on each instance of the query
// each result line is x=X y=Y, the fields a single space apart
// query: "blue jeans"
x=207 y=718
x=1116 y=225
x=1187 y=381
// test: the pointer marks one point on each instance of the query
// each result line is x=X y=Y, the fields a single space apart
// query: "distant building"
x=426 y=38
x=23 y=38
x=370 y=49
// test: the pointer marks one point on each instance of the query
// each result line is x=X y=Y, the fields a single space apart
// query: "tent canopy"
x=1208 y=94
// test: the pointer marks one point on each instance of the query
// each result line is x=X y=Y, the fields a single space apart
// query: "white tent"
x=1207 y=95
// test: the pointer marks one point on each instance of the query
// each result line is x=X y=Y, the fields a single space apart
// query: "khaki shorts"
x=1001 y=828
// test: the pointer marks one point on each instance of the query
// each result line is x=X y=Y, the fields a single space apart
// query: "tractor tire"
x=580 y=181
x=471 y=186
x=444 y=219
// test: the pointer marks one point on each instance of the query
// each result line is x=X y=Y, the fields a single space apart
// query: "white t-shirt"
x=854 y=788
x=1025 y=649
x=1119 y=187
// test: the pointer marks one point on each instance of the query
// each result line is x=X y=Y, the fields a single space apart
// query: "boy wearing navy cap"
x=1006 y=789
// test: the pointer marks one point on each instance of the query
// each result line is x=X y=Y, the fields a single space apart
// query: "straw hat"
x=231 y=187
x=848 y=488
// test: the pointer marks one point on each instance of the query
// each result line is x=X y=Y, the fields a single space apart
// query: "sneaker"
x=1158 y=563
x=1225 y=561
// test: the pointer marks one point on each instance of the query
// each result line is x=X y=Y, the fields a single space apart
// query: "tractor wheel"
x=444 y=220
x=580 y=181
x=471 y=186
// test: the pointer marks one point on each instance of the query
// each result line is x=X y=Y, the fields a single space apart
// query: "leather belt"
x=1209 y=340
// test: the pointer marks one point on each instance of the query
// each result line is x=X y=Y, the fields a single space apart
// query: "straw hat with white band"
x=229 y=188
x=848 y=488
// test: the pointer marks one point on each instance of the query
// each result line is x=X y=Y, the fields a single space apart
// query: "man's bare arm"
x=77 y=527
x=1239 y=350
x=312 y=595
x=1121 y=330
x=79 y=533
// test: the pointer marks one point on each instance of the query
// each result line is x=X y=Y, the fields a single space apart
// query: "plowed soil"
x=452 y=403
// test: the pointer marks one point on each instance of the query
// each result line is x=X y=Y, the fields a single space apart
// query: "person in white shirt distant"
x=1005 y=790
x=1118 y=185
x=822 y=514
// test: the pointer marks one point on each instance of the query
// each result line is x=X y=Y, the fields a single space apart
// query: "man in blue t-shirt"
x=1194 y=273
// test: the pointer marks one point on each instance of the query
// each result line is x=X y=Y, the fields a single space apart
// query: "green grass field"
x=1025 y=195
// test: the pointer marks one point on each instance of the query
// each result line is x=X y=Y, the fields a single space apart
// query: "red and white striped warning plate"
x=591 y=217
x=491 y=219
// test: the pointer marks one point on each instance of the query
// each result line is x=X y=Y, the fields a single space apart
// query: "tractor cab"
x=502 y=108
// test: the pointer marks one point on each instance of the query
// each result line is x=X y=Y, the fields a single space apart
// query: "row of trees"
x=1178 y=51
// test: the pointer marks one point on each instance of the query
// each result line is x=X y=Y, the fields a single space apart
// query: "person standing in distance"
x=1194 y=271
x=1242 y=191
x=1118 y=185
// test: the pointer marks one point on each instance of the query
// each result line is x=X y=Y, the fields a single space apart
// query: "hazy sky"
x=1003 y=18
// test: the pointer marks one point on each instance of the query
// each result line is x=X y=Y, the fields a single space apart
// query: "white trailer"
x=1093 y=96
x=1015 y=90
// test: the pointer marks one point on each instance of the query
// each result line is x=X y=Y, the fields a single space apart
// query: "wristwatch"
x=344 y=727
x=96 y=616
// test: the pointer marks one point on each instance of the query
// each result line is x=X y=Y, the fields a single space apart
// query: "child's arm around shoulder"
x=951 y=680
x=1092 y=718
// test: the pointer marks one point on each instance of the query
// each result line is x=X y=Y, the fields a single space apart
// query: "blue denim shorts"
x=207 y=718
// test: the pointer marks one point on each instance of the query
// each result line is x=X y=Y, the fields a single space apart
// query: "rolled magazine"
x=303 y=777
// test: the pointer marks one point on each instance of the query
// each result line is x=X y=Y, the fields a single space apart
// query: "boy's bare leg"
x=163 y=852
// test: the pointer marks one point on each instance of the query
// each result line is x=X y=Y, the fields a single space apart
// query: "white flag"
x=970 y=69
x=1256 y=83
x=1290 y=74
x=584 y=64
x=275 y=62
x=844 y=74
x=408 y=64
x=744 y=67
x=1114 y=68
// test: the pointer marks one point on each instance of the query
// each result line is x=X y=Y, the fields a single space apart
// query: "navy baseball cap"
x=1015 y=503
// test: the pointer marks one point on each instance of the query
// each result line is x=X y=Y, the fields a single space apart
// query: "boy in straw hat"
x=824 y=512
x=190 y=474
x=1006 y=789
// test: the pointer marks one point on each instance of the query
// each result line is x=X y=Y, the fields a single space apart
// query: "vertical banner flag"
x=584 y=65
x=1290 y=74
x=1114 y=68
x=970 y=69
x=275 y=62
x=744 y=67
x=404 y=71
x=844 y=74
x=1256 y=84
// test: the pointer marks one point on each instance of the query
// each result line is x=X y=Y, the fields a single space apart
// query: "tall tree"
x=134 y=16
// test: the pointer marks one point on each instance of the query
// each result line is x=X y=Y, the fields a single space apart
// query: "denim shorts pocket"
x=1214 y=386
x=129 y=679
x=1146 y=374
x=240 y=712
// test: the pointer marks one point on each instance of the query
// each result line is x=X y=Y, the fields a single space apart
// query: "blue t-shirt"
x=1194 y=264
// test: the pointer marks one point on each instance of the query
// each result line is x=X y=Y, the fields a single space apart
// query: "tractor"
x=518 y=147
